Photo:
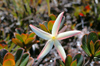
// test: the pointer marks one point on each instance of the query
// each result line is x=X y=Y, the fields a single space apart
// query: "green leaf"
x=17 y=42
x=43 y=27
x=97 y=53
x=50 y=25
x=18 y=37
x=29 y=40
x=85 y=48
x=45 y=23
x=2 y=54
x=59 y=63
x=31 y=35
x=92 y=36
x=84 y=40
x=53 y=17
x=1 y=47
x=74 y=63
x=25 y=59
x=19 y=31
x=9 y=62
x=30 y=62
x=68 y=60
x=24 y=36
x=92 y=47
x=8 y=56
x=18 y=56
x=80 y=59
x=97 y=45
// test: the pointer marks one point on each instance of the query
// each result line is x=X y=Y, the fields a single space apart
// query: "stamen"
x=53 y=37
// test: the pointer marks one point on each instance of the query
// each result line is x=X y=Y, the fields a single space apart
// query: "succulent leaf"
x=79 y=58
x=68 y=60
x=74 y=63
x=9 y=62
x=97 y=53
x=2 y=54
x=8 y=56
x=17 y=42
x=92 y=47
x=18 y=56
x=25 y=59
x=18 y=36
x=43 y=27
x=97 y=45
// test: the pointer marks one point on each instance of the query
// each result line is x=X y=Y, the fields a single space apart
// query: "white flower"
x=54 y=38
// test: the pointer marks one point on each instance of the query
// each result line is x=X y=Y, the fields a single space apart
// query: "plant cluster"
x=19 y=46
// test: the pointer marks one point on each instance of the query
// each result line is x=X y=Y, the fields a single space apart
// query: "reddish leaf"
x=9 y=62
x=50 y=25
x=29 y=40
x=43 y=27
x=17 y=42
x=24 y=37
x=8 y=56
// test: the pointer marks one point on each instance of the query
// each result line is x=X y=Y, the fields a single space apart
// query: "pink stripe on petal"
x=46 y=49
x=41 y=33
x=67 y=34
x=57 y=24
x=60 y=50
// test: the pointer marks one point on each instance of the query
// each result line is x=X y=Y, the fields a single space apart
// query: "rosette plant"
x=54 y=38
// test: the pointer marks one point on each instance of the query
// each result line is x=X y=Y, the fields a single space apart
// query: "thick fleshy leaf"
x=97 y=45
x=85 y=48
x=68 y=60
x=92 y=36
x=8 y=56
x=50 y=25
x=24 y=36
x=59 y=63
x=97 y=53
x=84 y=40
x=2 y=54
x=67 y=34
x=31 y=35
x=30 y=61
x=53 y=17
x=60 y=50
x=80 y=59
x=1 y=46
x=29 y=40
x=18 y=56
x=18 y=36
x=46 y=49
x=17 y=42
x=41 y=33
x=43 y=27
x=74 y=63
x=9 y=62
x=25 y=59
x=57 y=24
x=92 y=47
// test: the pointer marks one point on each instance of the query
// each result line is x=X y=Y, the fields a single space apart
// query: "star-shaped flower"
x=54 y=38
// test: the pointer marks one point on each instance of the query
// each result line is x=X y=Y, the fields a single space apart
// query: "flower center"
x=53 y=37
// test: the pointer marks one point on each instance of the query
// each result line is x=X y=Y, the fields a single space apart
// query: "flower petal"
x=67 y=34
x=41 y=33
x=60 y=50
x=46 y=49
x=57 y=24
